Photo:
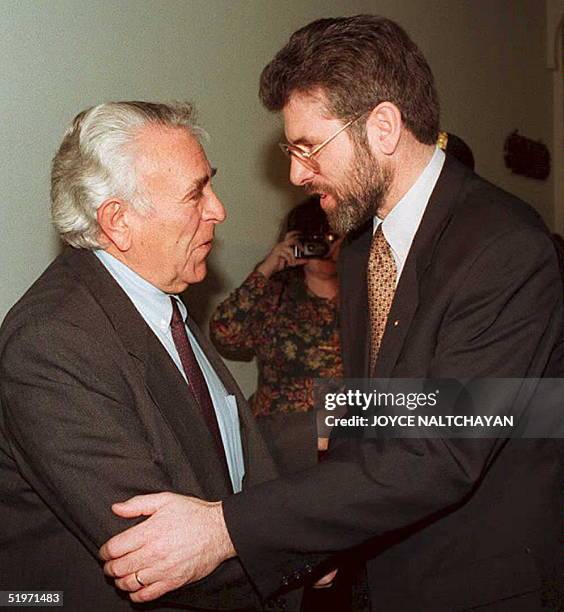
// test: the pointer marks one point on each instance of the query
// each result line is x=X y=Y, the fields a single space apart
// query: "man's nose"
x=214 y=210
x=299 y=174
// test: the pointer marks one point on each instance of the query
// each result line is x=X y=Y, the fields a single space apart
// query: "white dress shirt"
x=401 y=224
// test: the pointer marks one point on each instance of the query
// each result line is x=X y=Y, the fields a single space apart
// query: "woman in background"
x=286 y=315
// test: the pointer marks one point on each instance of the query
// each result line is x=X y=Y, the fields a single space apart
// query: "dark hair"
x=357 y=62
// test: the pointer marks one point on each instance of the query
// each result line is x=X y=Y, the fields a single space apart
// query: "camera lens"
x=314 y=248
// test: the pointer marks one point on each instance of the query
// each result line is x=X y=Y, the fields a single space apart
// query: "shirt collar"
x=400 y=225
x=153 y=304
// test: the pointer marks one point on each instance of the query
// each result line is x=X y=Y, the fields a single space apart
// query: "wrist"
x=225 y=545
x=264 y=269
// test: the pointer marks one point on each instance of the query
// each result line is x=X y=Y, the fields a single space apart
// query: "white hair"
x=94 y=163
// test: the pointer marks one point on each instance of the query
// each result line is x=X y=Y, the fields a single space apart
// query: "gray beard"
x=362 y=194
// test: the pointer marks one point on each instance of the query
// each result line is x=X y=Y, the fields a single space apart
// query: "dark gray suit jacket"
x=445 y=524
x=94 y=411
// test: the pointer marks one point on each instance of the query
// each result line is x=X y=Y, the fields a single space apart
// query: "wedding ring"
x=139 y=579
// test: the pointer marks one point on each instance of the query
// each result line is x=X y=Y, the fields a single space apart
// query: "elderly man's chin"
x=198 y=273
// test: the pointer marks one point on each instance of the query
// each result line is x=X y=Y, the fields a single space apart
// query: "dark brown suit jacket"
x=444 y=524
x=94 y=411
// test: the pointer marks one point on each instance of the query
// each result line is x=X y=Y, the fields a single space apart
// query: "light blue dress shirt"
x=156 y=309
x=401 y=224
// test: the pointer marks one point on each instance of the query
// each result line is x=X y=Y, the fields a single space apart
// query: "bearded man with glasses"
x=443 y=275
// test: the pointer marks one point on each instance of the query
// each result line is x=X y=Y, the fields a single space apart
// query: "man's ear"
x=383 y=128
x=114 y=223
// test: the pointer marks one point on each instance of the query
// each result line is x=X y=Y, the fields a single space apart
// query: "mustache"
x=313 y=189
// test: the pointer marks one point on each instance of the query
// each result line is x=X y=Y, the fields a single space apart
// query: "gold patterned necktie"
x=381 y=277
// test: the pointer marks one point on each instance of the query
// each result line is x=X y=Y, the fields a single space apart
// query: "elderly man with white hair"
x=108 y=388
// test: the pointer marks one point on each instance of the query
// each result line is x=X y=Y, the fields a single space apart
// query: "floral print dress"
x=293 y=334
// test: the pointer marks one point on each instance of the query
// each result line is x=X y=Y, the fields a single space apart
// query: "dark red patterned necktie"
x=195 y=376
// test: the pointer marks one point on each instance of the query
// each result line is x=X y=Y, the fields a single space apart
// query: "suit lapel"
x=165 y=385
x=354 y=302
x=404 y=305
x=173 y=396
x=406 y=299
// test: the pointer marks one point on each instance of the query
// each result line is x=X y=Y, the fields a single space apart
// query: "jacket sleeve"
x=72 y=427
x=237 y=323
x=503 y=321
x=291 y=438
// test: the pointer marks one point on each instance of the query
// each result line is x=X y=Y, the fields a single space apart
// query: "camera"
x=314 y=246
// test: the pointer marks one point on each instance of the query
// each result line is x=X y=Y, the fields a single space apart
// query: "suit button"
x=528 y=550
x=276 y=604
x=396 y=322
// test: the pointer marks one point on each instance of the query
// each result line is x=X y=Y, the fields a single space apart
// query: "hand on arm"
x=183 y=540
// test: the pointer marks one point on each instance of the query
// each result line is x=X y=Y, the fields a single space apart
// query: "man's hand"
x=183 y=540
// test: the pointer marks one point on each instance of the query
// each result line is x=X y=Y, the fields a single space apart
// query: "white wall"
x=60 y=56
